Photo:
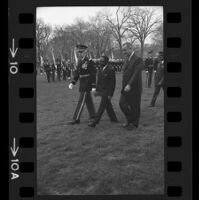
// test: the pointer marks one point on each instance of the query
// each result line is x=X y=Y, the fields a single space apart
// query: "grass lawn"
x=107 y=160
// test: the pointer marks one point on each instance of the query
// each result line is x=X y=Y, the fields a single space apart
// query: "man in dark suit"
x=85 y=72
x=159 y=79
x=130 y=99
x=105 y=88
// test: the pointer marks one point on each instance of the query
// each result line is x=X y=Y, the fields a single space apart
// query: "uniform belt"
x=84 y=75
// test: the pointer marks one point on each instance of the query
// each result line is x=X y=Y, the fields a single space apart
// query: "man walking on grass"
x=130 y=98
x=85 y=72
x=105 y=88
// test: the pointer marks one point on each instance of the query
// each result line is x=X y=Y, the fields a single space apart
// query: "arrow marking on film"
x=13 y=51
x=13 y=149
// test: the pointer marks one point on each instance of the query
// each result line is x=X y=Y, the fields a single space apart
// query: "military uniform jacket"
x=59 y=67
x=155 y=64
x=106 y=81
x=159 y=78
x=132 y=74
x=47 y=67
x=53 y=68
x=86 y=74
x=149 y=64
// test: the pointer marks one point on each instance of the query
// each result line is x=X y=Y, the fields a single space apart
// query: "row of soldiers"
x=62 y=69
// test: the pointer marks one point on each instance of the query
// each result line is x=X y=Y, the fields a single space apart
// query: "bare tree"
x=100 y=35
x=158 y=37
x=118 y=25
x=43 y=32
x=142 y=24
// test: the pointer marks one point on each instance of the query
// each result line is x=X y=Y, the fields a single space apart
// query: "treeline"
x=103 y=34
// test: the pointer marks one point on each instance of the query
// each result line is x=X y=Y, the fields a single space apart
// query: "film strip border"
x=178 y=161
x=22 y=112
x=22 y=100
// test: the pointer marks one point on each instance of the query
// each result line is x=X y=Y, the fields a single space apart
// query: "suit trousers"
x=48 y=76
x=53 y=76
x=130 y=106
x=150 y=79
x=105 y=104
x=59 y=75
x=155 y=95
x=84 y=97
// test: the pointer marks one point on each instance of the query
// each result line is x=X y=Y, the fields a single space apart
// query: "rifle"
x=52 y=52
x=147 y=77
x=76 y=59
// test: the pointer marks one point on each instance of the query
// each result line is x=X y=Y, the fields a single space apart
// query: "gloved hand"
x=70 y=86
x=93 y=90
x=127 y=88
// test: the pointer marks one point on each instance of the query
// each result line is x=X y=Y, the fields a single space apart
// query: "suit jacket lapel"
x=130 y=62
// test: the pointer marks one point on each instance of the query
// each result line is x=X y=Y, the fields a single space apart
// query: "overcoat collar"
x=130 y=61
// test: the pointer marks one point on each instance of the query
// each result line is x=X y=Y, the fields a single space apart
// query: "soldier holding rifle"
x=47 y=69
x=64 y=66
x=149 y=68
x=59 y=69
x=53 y=68
x=85 y=72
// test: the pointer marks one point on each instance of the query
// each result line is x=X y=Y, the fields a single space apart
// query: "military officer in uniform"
x=155 y=65
x=47 y=69
x=64 y=69
x=53 y=68
x=159 y=79
x=149 y=68
x=59 y=69
x=68 y=69
x=130 y=99
x=86 y=74
x=105 y=88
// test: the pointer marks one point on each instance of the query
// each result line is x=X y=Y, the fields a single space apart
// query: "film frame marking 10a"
x=22 y=98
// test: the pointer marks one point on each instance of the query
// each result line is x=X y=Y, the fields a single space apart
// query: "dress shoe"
x=131 y=127
x=114 y=121
x=125 y=125
x=74 y=122
x=92 y=124
x=151 y=105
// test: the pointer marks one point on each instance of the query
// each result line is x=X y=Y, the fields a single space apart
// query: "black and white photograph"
x=100 y=100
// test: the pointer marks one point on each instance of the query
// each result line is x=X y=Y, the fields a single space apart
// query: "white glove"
x=93 y=90
x=70 y=86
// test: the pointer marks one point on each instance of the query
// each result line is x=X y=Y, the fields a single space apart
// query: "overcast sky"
x=67 y=15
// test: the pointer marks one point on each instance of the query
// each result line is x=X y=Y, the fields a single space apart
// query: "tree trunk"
x=120 y=46
x=142 y=49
